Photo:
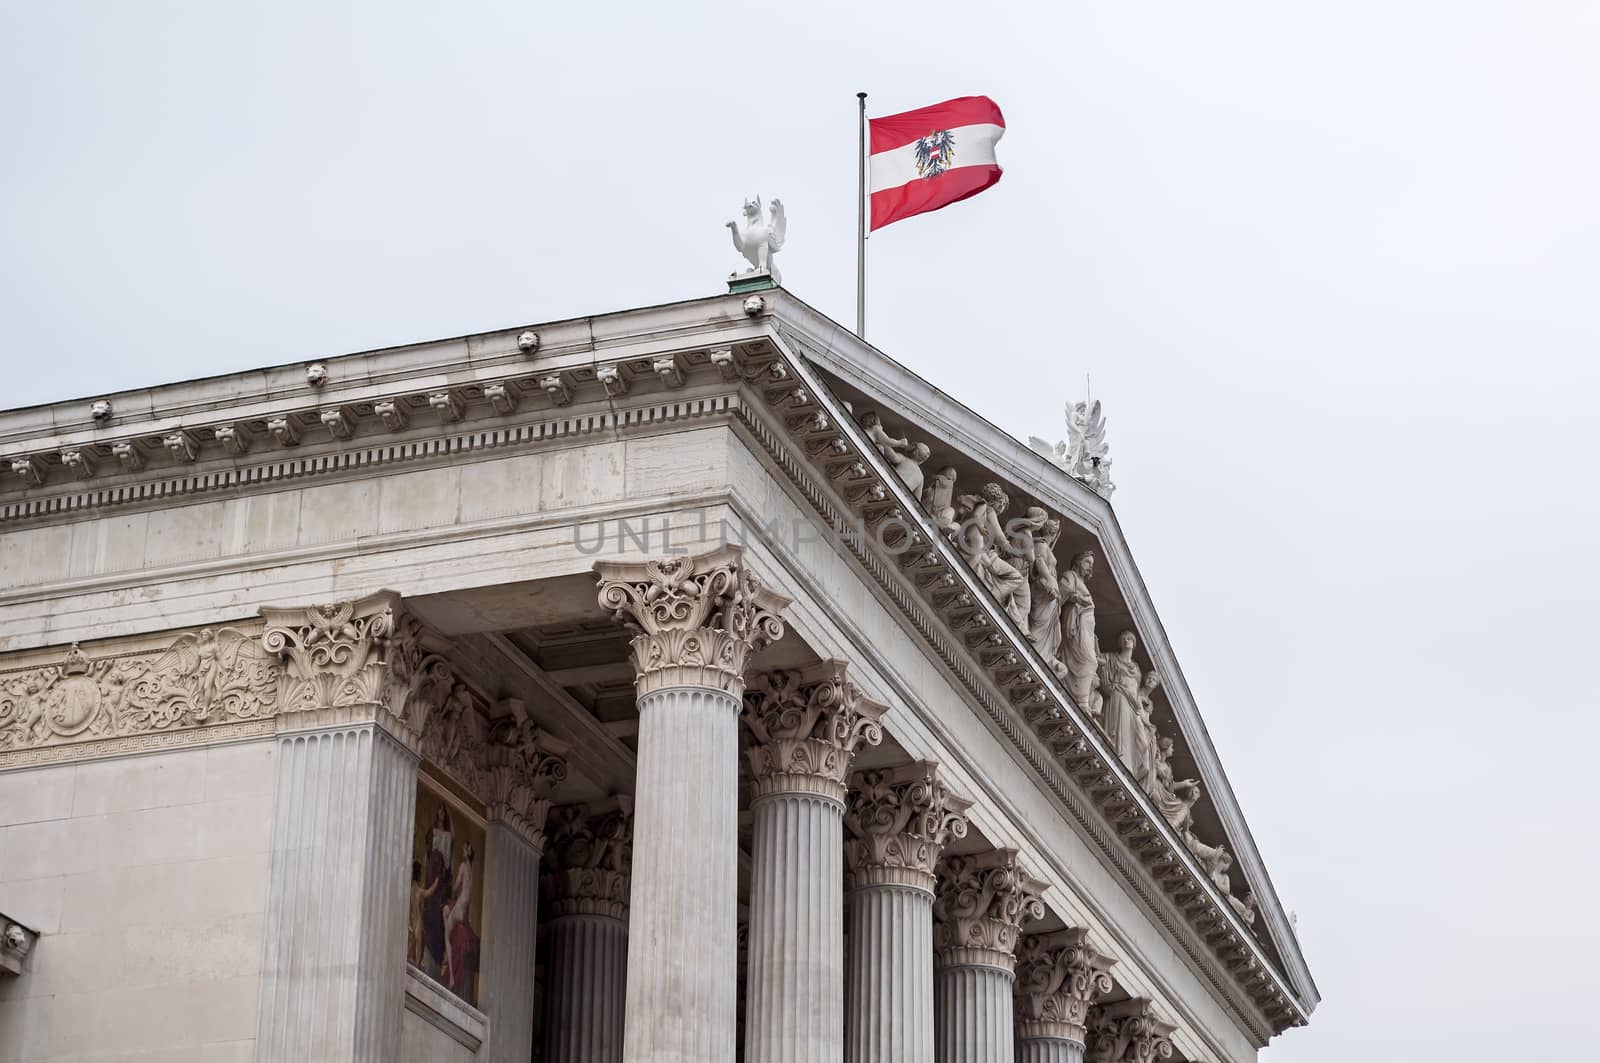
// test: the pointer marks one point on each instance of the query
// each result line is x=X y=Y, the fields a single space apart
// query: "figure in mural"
x=461 y=963
x=1080 y=650
x=1119 y=685
x=414 y=925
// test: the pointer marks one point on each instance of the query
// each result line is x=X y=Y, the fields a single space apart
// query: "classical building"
x=684 y=683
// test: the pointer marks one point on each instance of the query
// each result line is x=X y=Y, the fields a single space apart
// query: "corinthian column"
x=1129 y=1031
x=982 y=902
x=900 y=820
x=520 y=765
x=349 y=719
x=807 y=725
x=697 y=621
x=1058 y=977
x=587 y=898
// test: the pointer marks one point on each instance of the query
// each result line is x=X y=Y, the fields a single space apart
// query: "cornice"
x=933 y=587
x=840 y=352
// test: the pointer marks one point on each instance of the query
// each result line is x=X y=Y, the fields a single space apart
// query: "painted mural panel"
x=446 y=891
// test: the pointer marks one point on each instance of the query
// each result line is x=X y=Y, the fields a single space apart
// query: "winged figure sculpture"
x=757 y=239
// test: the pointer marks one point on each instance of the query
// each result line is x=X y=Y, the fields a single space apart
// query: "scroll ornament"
x=521 y=765
x=807 y=724
x=207 y=677
x=1128 y=1032
x=1059 y=975
x=981 y=904
x=696 y=620
x=591 y=848
x=899 y=820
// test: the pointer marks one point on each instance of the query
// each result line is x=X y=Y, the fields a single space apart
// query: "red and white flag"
x=930 y=158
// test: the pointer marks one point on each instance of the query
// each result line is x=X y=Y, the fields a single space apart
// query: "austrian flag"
x=930 y=158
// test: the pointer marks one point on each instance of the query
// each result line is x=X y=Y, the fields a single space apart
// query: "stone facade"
x=671 y=634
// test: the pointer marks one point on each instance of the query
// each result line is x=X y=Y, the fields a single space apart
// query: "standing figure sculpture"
x=938 y=496
x=1120 y=681
x=1080 y=647
x=1022 y=540
x=758 y=241
x=1145 y=736
x=1044 y=622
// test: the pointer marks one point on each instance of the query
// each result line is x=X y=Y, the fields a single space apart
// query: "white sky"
x=1333 y=269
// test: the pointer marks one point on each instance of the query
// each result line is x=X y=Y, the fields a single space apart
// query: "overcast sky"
x=1332 y=266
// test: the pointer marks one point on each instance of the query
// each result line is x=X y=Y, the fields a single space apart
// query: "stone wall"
x=146 y=878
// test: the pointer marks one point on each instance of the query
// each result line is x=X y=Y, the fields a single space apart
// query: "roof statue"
x=758 y=241
x=1084 y=454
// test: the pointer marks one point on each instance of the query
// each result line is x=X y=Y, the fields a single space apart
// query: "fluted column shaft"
x=795 y=995
x=510 y=940
x=973 y=1014
x=889 y=990
x=1048 y=1050
x=586 y=985
x=682 y=953
x=333 y=969
x=697 y=620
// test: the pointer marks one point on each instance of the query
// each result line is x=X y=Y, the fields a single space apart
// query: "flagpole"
x=861 y=218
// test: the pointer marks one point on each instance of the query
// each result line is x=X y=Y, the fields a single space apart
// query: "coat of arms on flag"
x=935 y=153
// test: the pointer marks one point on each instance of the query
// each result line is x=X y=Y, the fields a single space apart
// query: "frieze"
x=204 y=678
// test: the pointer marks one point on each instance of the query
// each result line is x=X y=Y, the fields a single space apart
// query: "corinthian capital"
x=696 y=620
x=1058 y=977
x=807 y=724
x=520 y=766
x=981 y=904
x=1128 y=1032
x=899 y=820
x=354 y=659
x=591 y=848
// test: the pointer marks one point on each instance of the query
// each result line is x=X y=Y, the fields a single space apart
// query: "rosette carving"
x=696 y=620
x=807 y=724
x=980 y=906
x=591 y=851
x=899 y=820
x=520 y=766
x=1128 y=1032
x=364 y=656
x=1059 y=975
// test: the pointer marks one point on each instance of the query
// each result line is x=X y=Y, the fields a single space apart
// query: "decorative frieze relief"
x=898 y=821
x=807 y=724
x=591 y=853
x=980 y=906
x=208 y=677
x=1059 y=975
x=697 y=620
x=1128 y=1032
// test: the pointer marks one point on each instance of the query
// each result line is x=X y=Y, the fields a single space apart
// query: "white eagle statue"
x=1084 y=455
x=758 y=241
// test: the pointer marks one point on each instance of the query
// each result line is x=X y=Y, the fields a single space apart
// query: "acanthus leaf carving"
x=591 y=851
x=696 y=620
x=520 y=765
x=1129 y=1031
x=209 y=676
x=1059 y=975
x=980 y=906
x=807 y=724
x=899 y=821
